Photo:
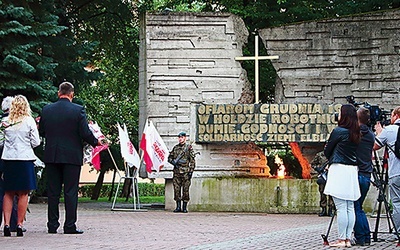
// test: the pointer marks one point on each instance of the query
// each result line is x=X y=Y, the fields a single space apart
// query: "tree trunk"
x=112 y=185
x=99 y=184
x=126 y=191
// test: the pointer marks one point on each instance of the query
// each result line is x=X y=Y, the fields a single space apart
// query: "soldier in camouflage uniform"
x=326 y=202
x=183 y=159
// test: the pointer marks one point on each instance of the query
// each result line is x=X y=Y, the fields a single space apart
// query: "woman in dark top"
x=342 y=181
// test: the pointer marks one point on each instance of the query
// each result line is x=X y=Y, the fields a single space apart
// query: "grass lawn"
x=143 y=200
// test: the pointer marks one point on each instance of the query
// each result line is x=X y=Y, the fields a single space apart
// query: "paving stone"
x=159 y=229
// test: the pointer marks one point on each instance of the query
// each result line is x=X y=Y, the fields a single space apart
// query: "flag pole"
x=115 y=164
x=128 y=174
x=130 y=159
x=137 y=171
x=117 y=171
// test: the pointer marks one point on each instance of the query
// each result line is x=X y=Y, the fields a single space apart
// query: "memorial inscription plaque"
x=218 y=123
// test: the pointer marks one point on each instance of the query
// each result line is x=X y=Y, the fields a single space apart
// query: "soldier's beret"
x=182 y=134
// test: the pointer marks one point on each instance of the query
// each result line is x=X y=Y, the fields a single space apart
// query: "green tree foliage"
x=113 y=99
x=113 y=26
x=39 y=50
x=26 y=61
x=73 y=55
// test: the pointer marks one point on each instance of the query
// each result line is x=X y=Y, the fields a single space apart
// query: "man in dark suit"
x=64 y=126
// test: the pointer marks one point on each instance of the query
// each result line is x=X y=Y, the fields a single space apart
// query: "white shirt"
x=20 y=139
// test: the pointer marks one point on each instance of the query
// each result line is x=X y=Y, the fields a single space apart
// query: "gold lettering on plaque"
x=303 y=122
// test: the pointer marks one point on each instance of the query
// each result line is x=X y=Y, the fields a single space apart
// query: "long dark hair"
x=349 y=120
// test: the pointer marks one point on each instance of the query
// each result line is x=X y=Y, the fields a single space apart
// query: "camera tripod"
x=380 y=181
x=325 y=236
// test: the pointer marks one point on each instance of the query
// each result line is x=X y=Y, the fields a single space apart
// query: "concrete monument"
x=190 y=81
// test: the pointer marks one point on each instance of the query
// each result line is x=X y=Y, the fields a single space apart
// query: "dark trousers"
x=57 y=175
x=181 y=183
x=324 y=200
x=362 y=232
x=14 y=215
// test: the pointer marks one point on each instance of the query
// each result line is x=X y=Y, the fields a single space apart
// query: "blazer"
x=64 y=126
x=339 y=148
x=20 y=139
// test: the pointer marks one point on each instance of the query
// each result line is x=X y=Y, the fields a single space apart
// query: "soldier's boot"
x=184 y=209
x=323 y=212
x=330 y=211
x=178 y=207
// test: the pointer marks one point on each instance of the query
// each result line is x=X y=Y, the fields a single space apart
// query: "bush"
x=145 y=189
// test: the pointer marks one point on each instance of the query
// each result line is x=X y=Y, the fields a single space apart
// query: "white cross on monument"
x=256 y=58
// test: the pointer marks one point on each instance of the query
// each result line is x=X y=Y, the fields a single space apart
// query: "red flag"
x=155 y=152
x=96 y=156
x=96 y=150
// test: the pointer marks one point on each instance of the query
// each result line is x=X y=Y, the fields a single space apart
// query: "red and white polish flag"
x=155 y=152
x=128 y=151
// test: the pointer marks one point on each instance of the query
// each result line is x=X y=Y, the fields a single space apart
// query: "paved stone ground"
x=159 y=229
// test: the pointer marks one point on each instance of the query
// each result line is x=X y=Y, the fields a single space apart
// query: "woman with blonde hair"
x=20 y=136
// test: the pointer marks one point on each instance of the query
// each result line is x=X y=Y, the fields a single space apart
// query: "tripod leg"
x=382 y=198
x=381 y=184
x=378 y=218
x=390 y=217
x=325 y=236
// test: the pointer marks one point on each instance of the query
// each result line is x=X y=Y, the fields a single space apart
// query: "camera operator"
x=387 y=137
x=362 y=231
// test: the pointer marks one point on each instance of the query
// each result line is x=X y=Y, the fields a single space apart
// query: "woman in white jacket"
x=20 y=137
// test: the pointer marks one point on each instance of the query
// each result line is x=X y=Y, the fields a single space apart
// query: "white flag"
x=128 y=151
x=155 y=152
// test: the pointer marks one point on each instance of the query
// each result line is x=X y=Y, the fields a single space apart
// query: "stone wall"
x=187 y=59
x=325 y=61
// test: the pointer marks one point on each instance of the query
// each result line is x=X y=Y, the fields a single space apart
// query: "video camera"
x=376 y=114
